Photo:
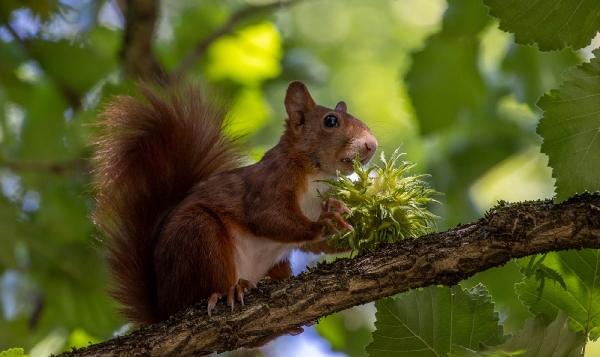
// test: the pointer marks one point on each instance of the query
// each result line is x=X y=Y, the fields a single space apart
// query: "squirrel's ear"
x=297 y=102
x=341 y=107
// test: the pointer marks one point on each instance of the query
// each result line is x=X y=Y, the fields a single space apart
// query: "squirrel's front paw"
x=328 y=216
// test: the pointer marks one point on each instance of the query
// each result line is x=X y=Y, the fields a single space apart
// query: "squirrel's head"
x=329 y=138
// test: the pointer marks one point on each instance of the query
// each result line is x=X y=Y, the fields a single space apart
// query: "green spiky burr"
x=385 y=204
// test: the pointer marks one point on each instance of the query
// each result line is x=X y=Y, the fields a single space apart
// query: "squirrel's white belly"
x=254 y=256
x=310 y=202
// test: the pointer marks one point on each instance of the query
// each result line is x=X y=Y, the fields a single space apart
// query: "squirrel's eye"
x=331 y=121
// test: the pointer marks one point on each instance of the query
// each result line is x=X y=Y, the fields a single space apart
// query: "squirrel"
x=186 y=222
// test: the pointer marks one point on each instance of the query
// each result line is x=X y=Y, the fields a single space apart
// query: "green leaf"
x=570 y=128
x=13 y=352
x=580 y=271
x=534 y=340
x=252 y=55
x=540 y=271
x=552 y=24
x=429 y=321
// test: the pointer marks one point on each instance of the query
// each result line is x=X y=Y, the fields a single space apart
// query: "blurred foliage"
x=461 y=88
x=438 y=77
x=346 y=332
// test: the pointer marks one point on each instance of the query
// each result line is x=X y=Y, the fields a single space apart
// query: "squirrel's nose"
x=371 y=145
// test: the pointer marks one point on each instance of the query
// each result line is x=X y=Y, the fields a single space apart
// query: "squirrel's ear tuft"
x=297 y=102
x=341 y=107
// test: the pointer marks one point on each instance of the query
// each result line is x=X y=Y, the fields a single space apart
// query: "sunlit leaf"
x=81 y=338
x=571 y=130
x=249 y=112
x=252 y=55
x=13 y=352
x=552 y=24
x=580 y=271
x=427 y=322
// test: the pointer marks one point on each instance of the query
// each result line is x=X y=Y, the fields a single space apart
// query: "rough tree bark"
x=508 y=231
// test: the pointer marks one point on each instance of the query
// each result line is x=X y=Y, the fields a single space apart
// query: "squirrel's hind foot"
x=237 y=290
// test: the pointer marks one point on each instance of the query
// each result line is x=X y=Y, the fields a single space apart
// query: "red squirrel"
x=185 y=222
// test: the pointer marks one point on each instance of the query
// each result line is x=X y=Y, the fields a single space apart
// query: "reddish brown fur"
x=280 y=271
x=149 y=155
x=170 y=198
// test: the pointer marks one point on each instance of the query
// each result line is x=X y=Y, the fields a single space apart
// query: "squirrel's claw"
x=328 y=223
x=237 y=291
x=327 y=216
x=212 y=302
x=231 y=297
x=337 y=204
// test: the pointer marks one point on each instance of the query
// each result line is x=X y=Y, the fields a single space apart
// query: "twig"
x=58 y=168
x=14 y=33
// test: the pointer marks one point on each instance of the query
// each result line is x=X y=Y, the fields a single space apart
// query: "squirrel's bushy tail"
x=149 y=154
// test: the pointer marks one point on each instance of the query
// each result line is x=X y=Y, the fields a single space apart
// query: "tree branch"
x=508 y=231
x=58 y=168
x=136 y=53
